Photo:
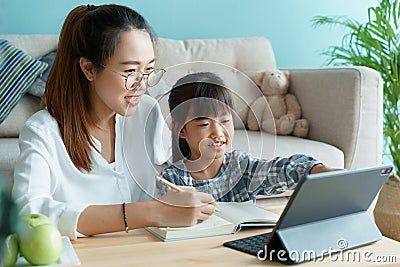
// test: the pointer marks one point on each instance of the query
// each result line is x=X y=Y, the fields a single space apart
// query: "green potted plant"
x=376 y=44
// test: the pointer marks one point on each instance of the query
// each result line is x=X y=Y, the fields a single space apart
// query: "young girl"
x=202 y=131
x=73 y=166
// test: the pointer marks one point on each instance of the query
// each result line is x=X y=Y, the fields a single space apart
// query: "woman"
x=72 y=165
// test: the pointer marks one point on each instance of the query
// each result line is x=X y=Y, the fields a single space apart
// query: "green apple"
x=33 y=220
x=10 y=250
x=39 y=241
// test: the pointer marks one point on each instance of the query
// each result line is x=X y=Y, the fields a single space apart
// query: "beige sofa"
x=343 y=104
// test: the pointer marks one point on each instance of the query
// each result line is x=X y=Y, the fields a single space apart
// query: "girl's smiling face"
x=208 y=138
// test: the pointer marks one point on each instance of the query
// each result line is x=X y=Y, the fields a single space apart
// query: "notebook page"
x=212 y=222
x=240 y=212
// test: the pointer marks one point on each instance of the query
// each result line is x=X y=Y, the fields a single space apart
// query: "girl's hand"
x=187 y=187
x=187 y=208
x=322 y=168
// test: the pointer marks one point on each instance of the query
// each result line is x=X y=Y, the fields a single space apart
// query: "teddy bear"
x=283 y=117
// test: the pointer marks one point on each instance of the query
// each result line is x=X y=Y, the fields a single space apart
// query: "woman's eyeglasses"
x=133 y=79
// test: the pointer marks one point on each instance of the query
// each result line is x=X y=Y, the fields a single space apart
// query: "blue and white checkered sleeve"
x=169 y=174
x=267 y=177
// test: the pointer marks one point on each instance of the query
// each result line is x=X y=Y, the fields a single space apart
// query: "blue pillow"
x=38 y=86
x=18 y=71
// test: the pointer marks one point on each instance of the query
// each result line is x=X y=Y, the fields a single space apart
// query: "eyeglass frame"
x=135 y=72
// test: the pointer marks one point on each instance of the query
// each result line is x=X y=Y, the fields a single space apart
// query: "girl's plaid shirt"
x=242 y=177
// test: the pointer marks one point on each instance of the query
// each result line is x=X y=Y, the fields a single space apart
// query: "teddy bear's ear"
x=286 y=74
x=258 y=78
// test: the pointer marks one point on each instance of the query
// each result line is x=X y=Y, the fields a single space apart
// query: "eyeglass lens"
x=134 y=79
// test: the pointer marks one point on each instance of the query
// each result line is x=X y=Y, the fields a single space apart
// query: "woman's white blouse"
x=46 y=181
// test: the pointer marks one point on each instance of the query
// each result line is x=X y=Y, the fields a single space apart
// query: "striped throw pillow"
x=18 y=71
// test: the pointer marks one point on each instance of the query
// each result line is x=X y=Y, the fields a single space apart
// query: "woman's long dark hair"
x=91 y=32
x=212 y=100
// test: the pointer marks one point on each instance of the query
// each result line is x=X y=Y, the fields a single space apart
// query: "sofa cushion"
x=264 y=145
x=235 y=52
x=35 y=45
x=17 y=72
x=39 y=85
x=16 y=119
x=9 y=153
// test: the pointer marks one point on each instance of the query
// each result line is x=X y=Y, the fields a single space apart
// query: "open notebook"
x=229 y=220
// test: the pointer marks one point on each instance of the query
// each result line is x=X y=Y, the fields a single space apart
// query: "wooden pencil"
x=169 y=184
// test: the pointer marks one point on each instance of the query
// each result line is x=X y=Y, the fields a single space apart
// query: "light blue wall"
x=285 y=22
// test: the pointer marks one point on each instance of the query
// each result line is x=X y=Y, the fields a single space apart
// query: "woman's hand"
x=322 y=168
x=187 y=208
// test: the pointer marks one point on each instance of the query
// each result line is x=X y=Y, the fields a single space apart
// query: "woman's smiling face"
x=134 y=52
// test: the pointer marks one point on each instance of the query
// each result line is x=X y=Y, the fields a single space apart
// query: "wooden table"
x=140 y=248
